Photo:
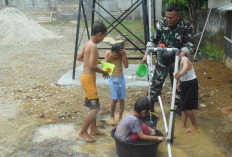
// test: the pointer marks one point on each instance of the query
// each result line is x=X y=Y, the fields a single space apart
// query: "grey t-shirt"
x=128 y=125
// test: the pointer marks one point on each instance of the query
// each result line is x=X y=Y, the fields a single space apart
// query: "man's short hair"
x=173 y=7
x=98 y=27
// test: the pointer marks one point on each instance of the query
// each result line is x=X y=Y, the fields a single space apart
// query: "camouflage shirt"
x=179 y=36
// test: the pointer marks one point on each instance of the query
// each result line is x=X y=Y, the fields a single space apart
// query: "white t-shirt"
x=190 y=75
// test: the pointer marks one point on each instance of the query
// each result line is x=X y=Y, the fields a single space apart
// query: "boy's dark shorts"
x=92 y=103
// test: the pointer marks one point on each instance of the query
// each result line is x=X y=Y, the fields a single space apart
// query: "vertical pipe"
x=163 y=114
x=165 y=126
x=149 y=20
x=173 y=98
x=77 y=37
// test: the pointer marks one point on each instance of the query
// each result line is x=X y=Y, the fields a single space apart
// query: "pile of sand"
x=17 y=28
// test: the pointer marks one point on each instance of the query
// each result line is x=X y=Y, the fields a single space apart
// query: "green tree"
x=188 y=7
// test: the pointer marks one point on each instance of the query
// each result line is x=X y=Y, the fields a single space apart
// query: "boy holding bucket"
x=118 y=57
x=89 y=55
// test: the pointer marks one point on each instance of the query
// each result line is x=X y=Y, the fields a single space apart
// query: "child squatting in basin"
x=131 y=128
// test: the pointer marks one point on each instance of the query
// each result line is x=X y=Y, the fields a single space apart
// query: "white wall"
x=218 y=3
x=2 y=2
x=158 y=9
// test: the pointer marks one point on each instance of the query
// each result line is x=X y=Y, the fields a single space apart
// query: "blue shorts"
x=117 y=87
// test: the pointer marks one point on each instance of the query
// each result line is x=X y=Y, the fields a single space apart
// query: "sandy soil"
x=29 y=91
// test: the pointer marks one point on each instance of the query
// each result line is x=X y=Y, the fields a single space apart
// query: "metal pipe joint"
x=162 y=49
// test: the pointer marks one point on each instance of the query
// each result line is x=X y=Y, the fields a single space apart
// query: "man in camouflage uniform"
x=173 y=32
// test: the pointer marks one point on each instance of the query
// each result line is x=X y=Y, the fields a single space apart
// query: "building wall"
x=228 y=44
x=115 y=7
x=158 y=9
x=218 y=3
x=33 y=4
x=2 y=2
x=219 y=25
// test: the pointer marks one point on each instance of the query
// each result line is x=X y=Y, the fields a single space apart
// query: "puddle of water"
x=63 y=131
x=104 y=145
x=201 y=143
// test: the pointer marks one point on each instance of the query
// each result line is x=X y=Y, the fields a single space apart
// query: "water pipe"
x=164 y=49
x=165 y=126
x=149 y=15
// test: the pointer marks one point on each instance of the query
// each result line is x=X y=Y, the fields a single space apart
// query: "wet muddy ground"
x=31 y=101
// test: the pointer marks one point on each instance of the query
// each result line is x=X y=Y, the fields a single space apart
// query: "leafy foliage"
x=188 y=7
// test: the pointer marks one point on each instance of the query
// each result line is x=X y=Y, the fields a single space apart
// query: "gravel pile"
x=17 y=28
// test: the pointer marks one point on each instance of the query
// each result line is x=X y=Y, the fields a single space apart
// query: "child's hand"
x=122 y=52
x=160 y=138
x=176 y=75
x=152 y=131
x=105 y=74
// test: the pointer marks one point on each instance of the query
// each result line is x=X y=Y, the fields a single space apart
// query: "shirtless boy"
x=89 y=55
x=118 y=57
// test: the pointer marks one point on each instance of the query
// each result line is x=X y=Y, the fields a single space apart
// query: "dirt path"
x=30 y=96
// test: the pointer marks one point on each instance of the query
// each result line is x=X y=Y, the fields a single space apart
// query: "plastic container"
x=108 y=67
x=141 y=70
x=140 y=148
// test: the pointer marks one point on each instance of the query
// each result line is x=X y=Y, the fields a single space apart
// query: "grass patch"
x=212 y=51
x=135 y=26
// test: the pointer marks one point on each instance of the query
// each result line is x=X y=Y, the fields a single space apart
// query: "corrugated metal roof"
x=226 y=8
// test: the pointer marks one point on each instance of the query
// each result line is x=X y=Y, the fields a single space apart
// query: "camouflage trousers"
x=160 y=73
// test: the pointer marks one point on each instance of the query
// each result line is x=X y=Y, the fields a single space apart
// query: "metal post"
x=93 y=12
x=145 y=23
x=86 y=23
x=154 y=14
x=119 y=22
x=77 y=37
x=112 y=26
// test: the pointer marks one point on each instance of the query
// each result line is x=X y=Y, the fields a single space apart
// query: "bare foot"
x=182 y=126
x=112 y=122
x=96 y=132
x=189 y=130
x=86 y=137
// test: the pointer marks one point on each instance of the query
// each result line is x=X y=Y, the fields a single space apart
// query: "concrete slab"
x=132 y=80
